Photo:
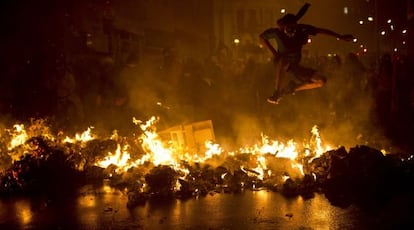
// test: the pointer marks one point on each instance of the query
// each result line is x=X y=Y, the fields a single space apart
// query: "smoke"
x=234 y=98
x=343 y=109
x=230 y=92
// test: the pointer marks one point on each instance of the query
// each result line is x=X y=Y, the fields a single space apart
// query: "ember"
x=147 y=167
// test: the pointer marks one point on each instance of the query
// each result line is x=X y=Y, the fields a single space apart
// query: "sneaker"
x=275 y=98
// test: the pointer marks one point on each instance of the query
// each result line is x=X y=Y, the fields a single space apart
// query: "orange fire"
x=261 y=157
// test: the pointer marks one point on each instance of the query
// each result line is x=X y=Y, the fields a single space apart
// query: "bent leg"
x=315 y=80
x=315 y=83
x=281 y=66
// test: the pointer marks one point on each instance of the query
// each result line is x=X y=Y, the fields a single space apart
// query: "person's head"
x=287 y=24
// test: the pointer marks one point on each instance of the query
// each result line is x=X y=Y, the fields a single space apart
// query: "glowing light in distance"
x=346 y=10
x=361 y=22
x=383 y=33
x=236 y=41
x=370 y=19
x=283 y=10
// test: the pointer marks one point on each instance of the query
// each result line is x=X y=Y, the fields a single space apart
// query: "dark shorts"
x=303 y=74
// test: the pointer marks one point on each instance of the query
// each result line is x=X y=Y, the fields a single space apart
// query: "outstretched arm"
x=345 y=37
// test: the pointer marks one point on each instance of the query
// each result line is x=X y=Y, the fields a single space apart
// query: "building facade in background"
x=200 y=29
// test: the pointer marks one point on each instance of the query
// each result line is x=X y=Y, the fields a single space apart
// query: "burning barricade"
x=147 y=167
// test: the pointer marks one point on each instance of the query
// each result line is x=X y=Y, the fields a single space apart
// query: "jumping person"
x=290 y=38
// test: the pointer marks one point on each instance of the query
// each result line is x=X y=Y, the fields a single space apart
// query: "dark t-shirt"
x=291 y=47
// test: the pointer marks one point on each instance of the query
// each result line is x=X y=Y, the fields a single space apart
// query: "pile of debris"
x=362 y=175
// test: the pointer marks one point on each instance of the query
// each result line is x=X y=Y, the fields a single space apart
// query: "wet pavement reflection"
x=105 y=208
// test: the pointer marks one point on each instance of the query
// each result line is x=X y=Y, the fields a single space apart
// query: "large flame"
x=158 y=152
x=19 y=136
